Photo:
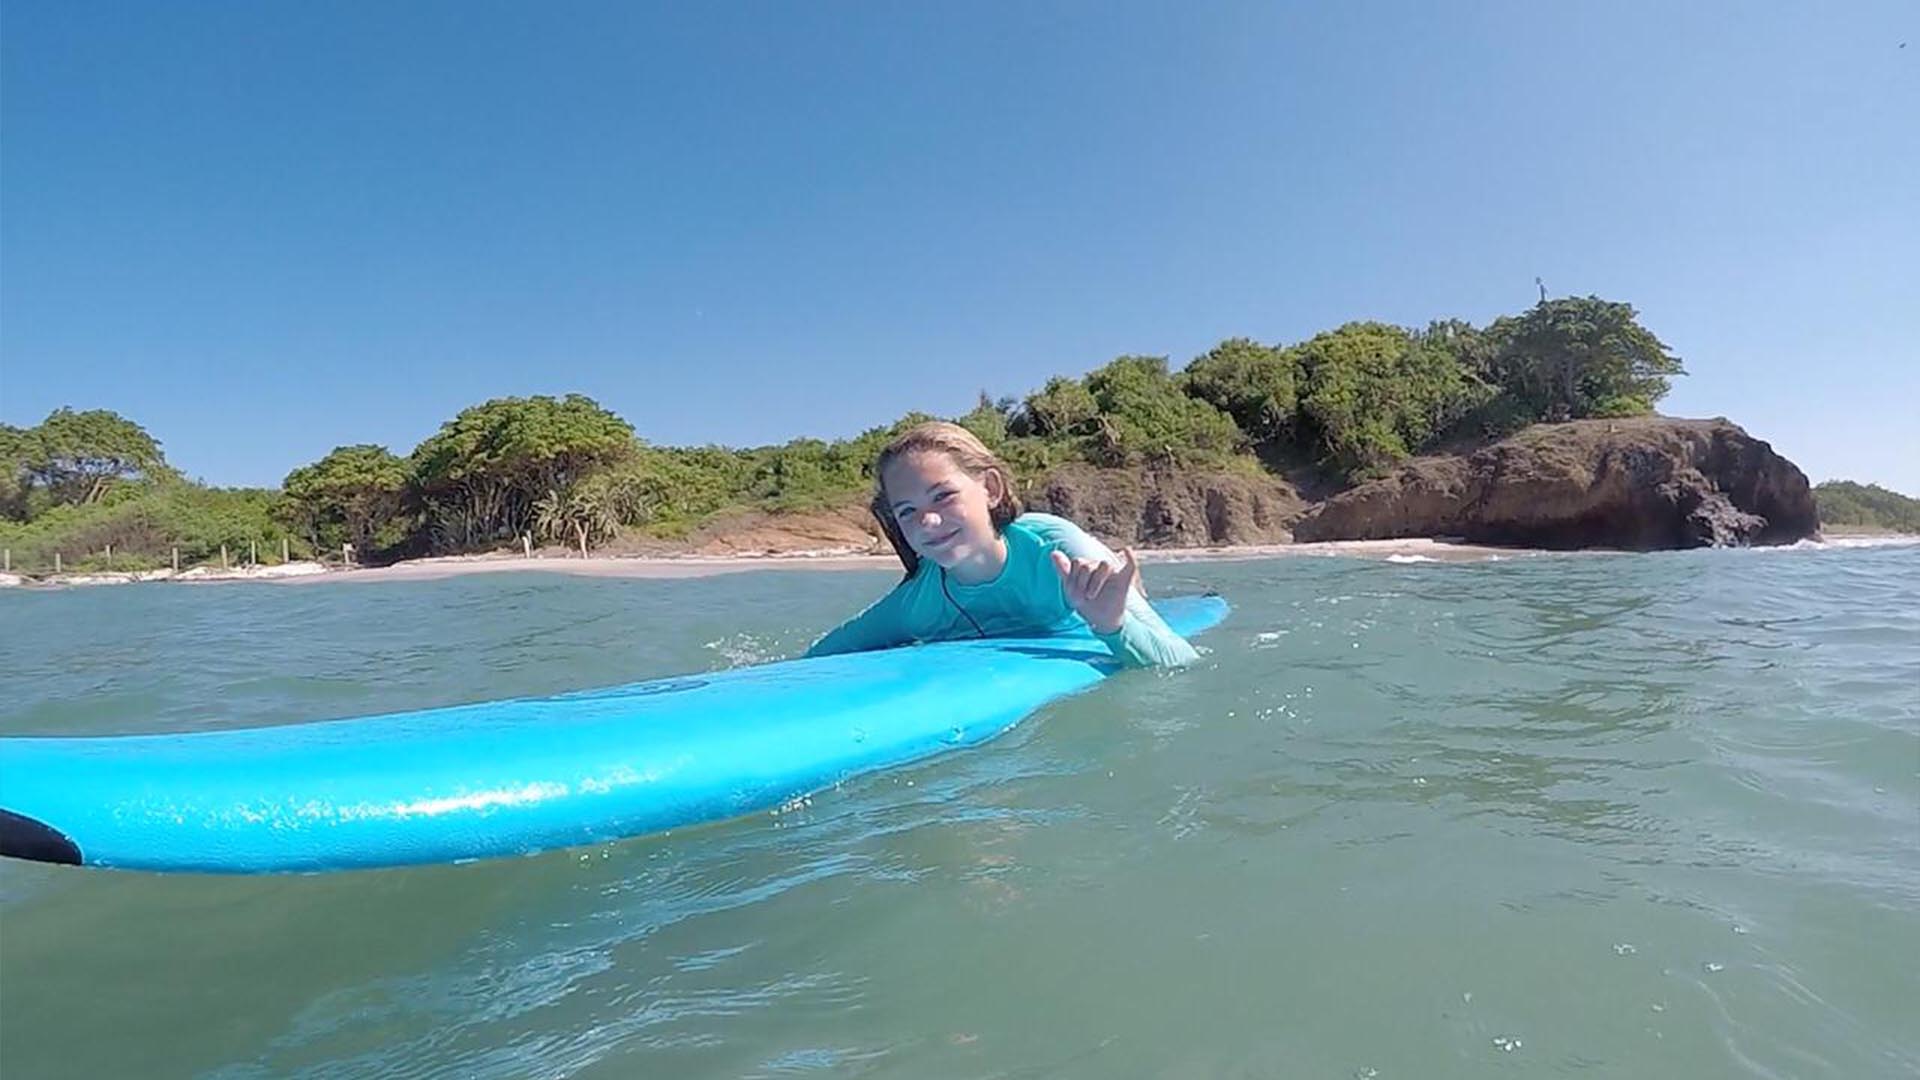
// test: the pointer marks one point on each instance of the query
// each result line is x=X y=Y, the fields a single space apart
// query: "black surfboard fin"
x=22 y=837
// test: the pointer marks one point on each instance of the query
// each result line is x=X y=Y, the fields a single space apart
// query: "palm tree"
x=588 y=511
x=582 y=513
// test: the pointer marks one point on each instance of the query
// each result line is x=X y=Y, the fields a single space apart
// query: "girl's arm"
x=1144 y=639
x=880 y=626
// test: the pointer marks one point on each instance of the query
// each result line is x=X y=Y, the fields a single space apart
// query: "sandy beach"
x=692 y=566
x=1425 y=550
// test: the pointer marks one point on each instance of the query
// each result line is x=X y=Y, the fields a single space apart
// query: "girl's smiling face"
x=946 y=514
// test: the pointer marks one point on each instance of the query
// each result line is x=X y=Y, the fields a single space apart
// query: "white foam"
x=1890 y=540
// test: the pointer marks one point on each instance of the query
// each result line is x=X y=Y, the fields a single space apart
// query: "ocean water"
x=1580 y=815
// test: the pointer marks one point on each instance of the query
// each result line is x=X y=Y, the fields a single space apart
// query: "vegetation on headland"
x=1870 y=506
x=1345 y=404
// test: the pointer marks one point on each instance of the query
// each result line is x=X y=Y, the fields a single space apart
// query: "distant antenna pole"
x=1543 y=289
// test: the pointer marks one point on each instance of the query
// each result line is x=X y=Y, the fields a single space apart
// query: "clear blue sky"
x=264 y=229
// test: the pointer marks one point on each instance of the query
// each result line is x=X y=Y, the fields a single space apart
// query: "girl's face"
x=945 y=514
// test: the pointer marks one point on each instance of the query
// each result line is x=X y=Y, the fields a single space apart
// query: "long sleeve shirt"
x=1027 y=599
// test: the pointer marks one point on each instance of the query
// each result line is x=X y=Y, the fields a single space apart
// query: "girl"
x=978 y=567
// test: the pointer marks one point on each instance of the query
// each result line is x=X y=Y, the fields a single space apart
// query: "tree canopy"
x=1251 y=382
x=14 y=478
x=1581 y=357
x=75 y=457
x=1144 y=416
x=1371 y=394
x=1062 y=409
x=480 y=475
x=353 y=495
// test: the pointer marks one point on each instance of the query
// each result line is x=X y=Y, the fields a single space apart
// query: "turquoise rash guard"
x=1026 y=600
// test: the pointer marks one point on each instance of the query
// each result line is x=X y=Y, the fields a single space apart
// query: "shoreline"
x=697 y=566
x=433 y=568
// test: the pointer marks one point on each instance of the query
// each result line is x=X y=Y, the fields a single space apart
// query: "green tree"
x=1581 y=357
x=1371 y=394
x=355 y=494
x=1473 y=349
x=1248 y=381
x=1063 y=408
x=792 y=475
x=77 y=456
x=14 y=477
x=1447 y=367
x=682 y=484
x=482 y=472
x=1145 y=416
x=988 y=420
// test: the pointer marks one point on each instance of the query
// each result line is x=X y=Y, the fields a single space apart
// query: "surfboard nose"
x=22 y=837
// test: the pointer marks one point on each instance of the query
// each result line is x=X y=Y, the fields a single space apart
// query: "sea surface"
x=1570 y=815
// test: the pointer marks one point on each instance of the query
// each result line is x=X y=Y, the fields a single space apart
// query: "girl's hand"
x=1097 y=589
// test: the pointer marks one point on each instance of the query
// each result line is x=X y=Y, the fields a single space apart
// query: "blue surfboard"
x=516 y=777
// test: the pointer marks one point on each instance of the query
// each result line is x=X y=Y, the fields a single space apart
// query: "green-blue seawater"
x=1579 y=815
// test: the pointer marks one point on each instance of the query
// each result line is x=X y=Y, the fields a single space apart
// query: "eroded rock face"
x=1641 y=484
x=1171 y=509
x=1145 y=507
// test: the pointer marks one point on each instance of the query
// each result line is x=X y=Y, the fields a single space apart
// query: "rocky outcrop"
x=1640 y=484
x=1159 y=508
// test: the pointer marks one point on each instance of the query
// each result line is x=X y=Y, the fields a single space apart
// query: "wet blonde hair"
x=968 y=454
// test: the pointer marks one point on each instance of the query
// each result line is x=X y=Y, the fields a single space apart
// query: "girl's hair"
x=967 y=453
